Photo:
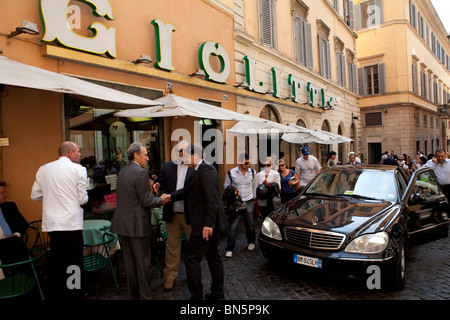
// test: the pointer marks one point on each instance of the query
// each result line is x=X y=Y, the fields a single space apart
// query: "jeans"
x=249 y=227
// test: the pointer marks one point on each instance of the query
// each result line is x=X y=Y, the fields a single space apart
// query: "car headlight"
x=270 y=229
x=369 y=243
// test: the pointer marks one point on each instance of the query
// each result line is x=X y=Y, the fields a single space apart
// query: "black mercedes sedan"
x=352 y=217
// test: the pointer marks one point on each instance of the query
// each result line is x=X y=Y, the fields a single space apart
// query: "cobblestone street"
x=249 y=276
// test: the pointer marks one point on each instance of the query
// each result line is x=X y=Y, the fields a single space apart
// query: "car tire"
x=399 y=276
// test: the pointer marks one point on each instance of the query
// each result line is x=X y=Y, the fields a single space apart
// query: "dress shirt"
x=62 y=185
x=5 y=230
x=246 y=184
x=442 y=172
x=182 y=168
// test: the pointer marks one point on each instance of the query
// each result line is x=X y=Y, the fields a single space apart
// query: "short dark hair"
x=3 y=184
x=243 y=156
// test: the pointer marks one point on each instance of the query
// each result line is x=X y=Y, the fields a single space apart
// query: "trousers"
x=195 y=250
x=174 y=243
x=137 y=260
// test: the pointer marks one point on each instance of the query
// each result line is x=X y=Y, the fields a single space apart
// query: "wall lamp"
x=26 y=27
x=199 y=72
x=145 y=58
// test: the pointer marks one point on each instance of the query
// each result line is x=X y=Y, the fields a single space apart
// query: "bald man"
x=61 y=185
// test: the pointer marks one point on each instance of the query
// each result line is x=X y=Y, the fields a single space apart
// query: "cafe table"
x=93 y=231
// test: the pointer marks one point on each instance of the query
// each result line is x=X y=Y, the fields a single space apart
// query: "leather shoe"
x=168 y=285
x=214 y=296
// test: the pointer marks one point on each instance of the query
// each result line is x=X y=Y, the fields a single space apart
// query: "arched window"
x=269 y=113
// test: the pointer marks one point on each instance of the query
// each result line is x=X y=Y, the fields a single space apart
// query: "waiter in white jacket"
x=62 y=186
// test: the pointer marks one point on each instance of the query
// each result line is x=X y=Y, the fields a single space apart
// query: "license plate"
x=308 y=261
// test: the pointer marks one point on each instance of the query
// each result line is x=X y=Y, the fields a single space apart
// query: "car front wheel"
x=399 y=276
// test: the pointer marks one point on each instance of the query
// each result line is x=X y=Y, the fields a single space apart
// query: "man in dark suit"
x=13 y=227
x=132 y=220
x=173 y=177
x=208 y=222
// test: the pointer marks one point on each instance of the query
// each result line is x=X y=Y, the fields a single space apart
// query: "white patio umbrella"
x=334 y=139
x=304 y=135
x=173 y=105
x=257 y=125
x=22 y=75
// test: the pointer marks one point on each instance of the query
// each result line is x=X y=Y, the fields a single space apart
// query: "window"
x=414 y=78
x=352 y=77
x=303 y=42
x=423 y=84
x=266 y=20
x=373 y=119
x=425 y=120
x=324 y=56
x=348 y=14
x=413 y=15
x=368 y=14
x=421 y=27
x=340 y=69
x=372 y=80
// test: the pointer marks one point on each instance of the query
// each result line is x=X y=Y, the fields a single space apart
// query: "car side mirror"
x=414 y=199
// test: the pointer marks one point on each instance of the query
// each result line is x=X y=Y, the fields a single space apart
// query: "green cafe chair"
x=19 y=278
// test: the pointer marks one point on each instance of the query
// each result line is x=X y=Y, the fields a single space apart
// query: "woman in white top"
x=267 y=176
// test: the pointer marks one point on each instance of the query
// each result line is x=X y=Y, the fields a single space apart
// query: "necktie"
x=4 y=225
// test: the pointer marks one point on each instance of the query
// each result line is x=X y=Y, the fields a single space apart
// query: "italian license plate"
x=308 y=261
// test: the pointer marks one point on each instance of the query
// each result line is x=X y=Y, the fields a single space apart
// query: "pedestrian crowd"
x=189 y=191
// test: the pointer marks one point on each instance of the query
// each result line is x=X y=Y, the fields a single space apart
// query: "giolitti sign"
x=59 y=19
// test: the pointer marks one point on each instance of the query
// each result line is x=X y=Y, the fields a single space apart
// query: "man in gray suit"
x=132 y=220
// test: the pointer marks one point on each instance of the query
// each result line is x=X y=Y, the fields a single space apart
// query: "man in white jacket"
x=62 y=186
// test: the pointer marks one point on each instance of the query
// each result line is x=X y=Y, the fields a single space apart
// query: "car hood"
x=344 y=215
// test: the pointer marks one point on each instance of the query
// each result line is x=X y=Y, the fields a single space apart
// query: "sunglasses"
x=281 y=165
x=247 y=162
x=267 y=165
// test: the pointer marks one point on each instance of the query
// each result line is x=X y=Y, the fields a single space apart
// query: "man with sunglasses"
x=243 y=179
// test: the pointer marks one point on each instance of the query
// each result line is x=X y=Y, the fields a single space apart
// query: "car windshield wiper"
x=358 y=196
x=322 y=194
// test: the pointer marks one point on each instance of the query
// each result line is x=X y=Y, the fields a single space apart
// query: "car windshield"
x=363 y=184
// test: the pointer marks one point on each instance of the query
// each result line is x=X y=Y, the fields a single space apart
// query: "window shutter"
x=328 y=59
x=298 y=39
x=266 y=22
x=321 y=56
x=362 y=82
x=358 y=17
x=350 y=14
x=338 y=68
x=414 y=78
x=382 y=78
x=308 y=44
x=354 y=77
x=344 y=74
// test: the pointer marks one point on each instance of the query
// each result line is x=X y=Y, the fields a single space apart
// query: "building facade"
x=403 y=77
x=101 y=42
x=299 y=57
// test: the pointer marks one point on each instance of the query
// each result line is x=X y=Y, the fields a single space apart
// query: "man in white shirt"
x=441 y=167
x=307 y=167
x=62 y=186
x=243 y=178
x=268 y=177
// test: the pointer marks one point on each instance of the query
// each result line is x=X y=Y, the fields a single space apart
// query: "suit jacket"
x=204 y=201
x=132 y=217
x=14 y=218
x=168 y=182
